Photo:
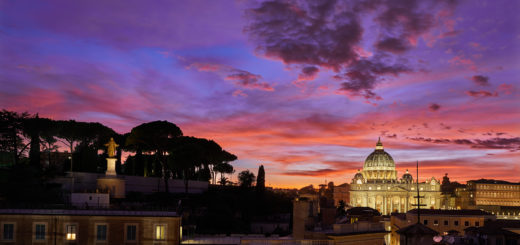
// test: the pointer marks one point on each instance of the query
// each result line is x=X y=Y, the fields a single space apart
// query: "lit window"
x=39 y=232
x=71 y=232
x=131 y=233
x=159 y=232
x=101 y=232
x=8 y=232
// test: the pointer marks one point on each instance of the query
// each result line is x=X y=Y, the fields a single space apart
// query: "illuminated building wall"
x=38 y=226
x=377 y=186
x=493 y=192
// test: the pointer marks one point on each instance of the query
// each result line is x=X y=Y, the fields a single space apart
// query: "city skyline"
x=304 y=88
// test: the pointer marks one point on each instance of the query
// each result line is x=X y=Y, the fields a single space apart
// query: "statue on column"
x=111 y=147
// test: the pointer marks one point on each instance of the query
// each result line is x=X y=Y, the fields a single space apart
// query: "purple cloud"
x=480 y=80
x=434 y=107
x=248 y=80
x=131 y=24
x=512 y=144
x=481 y=93
x=328 y=34
x=241 y=78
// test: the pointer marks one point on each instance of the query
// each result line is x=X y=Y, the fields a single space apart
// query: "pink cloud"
x=461 y=60
x=481 y=93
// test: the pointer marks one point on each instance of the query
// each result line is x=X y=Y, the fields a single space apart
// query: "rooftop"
x=461 y=212
x=84 y=212
x=417 y=229
x=492 y=181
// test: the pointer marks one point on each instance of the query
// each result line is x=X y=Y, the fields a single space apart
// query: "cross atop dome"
x=379 y=145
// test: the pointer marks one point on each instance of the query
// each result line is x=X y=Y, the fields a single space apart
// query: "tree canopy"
x=246 y=178
x=159 y=146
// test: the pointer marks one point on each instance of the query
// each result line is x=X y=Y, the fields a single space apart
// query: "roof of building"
x=491 y=230
x=88 y=212
x=401 y=216
x=460 y=212
x=343 y=185
x=504 y=223
x=492 y=181
x=363 y=211
x=417 y=229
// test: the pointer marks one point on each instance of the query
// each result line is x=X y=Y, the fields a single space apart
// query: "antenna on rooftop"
x=418 y=196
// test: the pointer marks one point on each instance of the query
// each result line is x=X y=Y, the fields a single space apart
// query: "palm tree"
x=246 y=178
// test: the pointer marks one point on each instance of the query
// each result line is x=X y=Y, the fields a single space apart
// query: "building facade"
x=485 y=192
x=341 y=193
x=377 y=186
x=51 y=226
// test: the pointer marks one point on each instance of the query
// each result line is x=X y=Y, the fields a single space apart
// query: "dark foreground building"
x=59 y=226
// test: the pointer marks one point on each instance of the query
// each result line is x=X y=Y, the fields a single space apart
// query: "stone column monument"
x=110 y=182
x=111 y=160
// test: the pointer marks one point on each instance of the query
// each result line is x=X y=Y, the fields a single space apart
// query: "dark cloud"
x=512 y=144
x=480 y=80
x=308 y=72
x=406 y=17
x=481 y=93
x=239 y=77
x=328 y=34
x=434 y=107
x=248 y=80
x=364 y=74
x=393 y=45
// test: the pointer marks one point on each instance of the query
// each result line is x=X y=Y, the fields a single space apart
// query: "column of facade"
x=384 y=204
x=392 y=204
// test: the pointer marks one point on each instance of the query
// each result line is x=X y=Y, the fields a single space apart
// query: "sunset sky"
x=303 y=87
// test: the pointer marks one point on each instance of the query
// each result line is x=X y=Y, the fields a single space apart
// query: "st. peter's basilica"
x=377 y=186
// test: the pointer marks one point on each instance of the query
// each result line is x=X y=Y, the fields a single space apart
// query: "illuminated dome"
x=358 y=178
x=379 y=165
x=407 y=177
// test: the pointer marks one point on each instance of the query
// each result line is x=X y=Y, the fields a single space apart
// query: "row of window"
x=503 y=187
x=455 y=223
x=495 y=194
x=71 y=232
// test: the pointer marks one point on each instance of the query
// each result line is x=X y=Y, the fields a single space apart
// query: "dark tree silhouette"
x=89 y=135
x=48 y=137
x=186 y=154
x=155 y=138
x=340 y=212
x=223 y=168
x=246 y=178
x=11 y=132
x=260 y=179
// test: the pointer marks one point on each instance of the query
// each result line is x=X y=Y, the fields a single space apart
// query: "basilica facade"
x=378 y=186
